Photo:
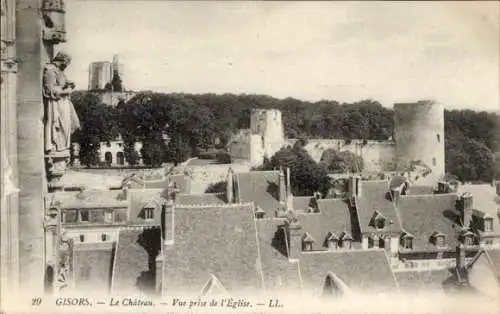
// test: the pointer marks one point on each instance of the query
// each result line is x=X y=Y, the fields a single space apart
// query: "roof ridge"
x=215 y=205
x=260 y=270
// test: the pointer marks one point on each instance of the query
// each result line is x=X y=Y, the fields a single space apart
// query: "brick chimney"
x=282 y=187
x=294 y=239
x=466 y=209
x=230 y=186
x=289 y=195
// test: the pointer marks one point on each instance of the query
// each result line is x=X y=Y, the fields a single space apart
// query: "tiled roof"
x=279 y=273
x=301 y=203
x=359 y=270
x=75 y=179
x=199 y=199
x=421 y=216
x=217 y=240
x=420 y=190
x=92 y=264
x=131 y=273
x=261 y=187
x=334 y=216
x=141 y=198
x=181 y=182
x=423 y=280
x=374 y=198
x=91 y=199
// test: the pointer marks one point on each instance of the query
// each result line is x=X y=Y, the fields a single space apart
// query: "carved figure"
x=61 y=119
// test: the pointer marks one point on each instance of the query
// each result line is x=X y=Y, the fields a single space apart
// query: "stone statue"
x=61 y=119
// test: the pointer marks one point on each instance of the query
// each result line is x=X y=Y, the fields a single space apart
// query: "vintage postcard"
x=249 y=157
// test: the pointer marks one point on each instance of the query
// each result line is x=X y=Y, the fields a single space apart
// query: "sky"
x=344 y=51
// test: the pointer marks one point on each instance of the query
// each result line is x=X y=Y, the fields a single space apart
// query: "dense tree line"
x=197 y=123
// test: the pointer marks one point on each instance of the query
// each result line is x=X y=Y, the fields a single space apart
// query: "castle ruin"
x=417 y=147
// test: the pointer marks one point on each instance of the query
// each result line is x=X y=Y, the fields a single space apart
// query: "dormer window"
x=488 y=224
x=149 y=213
x=259 y=213
x=378 y=220
x=307 y=242
x=439 y=239
x=469 y=240
x=407 y=241
x=332 y=241
x=346 y=240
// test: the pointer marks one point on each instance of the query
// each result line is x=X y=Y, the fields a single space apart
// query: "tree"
x=131 y=155
x=469 y=159
x=178 y=150
x=341 y=162
x=306 y=175
x=153 y=152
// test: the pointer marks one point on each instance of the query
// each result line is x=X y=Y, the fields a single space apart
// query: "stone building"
x=418 y=144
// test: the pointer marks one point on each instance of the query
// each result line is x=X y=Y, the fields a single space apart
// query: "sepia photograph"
x=250 y=156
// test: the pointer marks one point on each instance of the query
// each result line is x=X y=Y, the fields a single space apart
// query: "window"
x=488 y=242
x=488 y=225
x=346 y=244
x=149 y=213
x=104 y=237
x=468 y=241
x=408 y=243
x=380 y=223
x=108 y=216
x=84 y=216
x=433 y=161
x=440 y=241
x=82 y=238
x=439 y=138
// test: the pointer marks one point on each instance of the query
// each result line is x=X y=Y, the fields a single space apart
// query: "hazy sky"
x=308 y=50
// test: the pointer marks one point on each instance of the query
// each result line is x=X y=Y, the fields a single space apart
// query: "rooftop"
x=200 y=199
x=213 y=240
x=334 y=216
x=423 y=215
x=359 y=270
x=374 y=199
x=91 y=199
x=261 y=187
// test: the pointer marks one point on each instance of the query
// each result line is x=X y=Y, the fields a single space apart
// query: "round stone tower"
x=267 y=134
x=419 y=137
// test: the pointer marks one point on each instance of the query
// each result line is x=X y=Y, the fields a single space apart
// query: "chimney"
x=159 y=272
x=282 y=187
x=460 y=256
x=358 y=186
x=230 y=186
x=289 y=196
x=294 y=239
x=466 y=209
x=396 y=193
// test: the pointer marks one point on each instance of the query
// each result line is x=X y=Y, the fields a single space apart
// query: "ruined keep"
x=419 y=137
x=35 y=260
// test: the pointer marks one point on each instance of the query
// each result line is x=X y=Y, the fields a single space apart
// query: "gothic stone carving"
x=56 y=167
x=54 y=30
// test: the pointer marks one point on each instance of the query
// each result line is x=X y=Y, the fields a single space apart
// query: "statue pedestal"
x=56 y=165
